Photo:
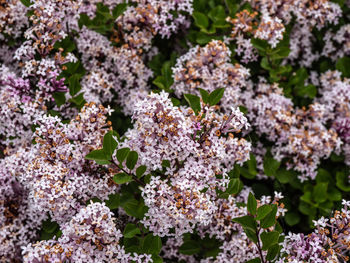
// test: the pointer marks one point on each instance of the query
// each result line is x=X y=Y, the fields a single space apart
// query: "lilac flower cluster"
x=299 y=134
x=328 y=243
x=62 y=71
x=209 y=68
x=90 y=236
x=199 y=157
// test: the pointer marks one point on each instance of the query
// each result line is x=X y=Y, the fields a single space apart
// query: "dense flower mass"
x=211 y=131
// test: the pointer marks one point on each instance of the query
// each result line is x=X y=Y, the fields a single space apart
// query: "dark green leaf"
x=320 y=192
x=159 y=82
x=122 y=178
x=254 y=260
x=292 y=218
x=109 y=144
x=152 y=244
x=60 y=98
x=216 y=96
x=27 y=3
x=74 y=84
x=190 y=247
x=268 y=239
x=272 y=252
x=270 y=219
x=194 y=102
x=49 y=226
x=119 y=10
x=122 y=153
x=246 y=221
x=343 y=65
x=251 y=234
x=342 y=181
x=131 y=160
x=167 y=74
x=113 y=201
x=204 y=95
x=252 y=204
x=263 y=211
x=98 y=156
x=200 y=20
x=131 y=230
x=141 y=170
x=270 y=165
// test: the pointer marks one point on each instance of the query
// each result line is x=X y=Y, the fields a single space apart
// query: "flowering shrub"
x=175 y=131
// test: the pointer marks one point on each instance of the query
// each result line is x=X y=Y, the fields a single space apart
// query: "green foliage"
x=194 y=102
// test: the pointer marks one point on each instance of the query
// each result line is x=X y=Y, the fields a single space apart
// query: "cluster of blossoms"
x=90 y=236
x=336 y=98
x=13 y=19
x=330 y=242
x=299 y=134
x=61 y=71
x=59 y=179
x=247 y=24
x=268 y=21
x=200 y=152
x=151 y=17
x=121 y=70
x=209 y=68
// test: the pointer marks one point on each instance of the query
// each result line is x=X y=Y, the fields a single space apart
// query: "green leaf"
x=343 y=65
x=260 y=45
x=122 y=178
x=141 y=170
x=157 y=259
x=251 y=234
x=160 y=82
x=252 y=165
x=268 y=239
x=98 y=156
x=252 y=204
x=194 y=102
x=190 y=247
x=270 y=219
x=270 y=165
x=204 y=95
x=292 y=218
x=109 y=144
x=200 y=20
x=263 y=211
x=74 y=84
x=342 y=181
x=320 y=192
x=334 y=194
x=131 y=160
x=272 y=252
x=254 y=260
x=216 y=96
x=49 y=226
x=27 y=3
x=122 y=153
x=78 y=100
x=309 y=91
x=60 y=98
x=113 y=201
x=233 y=186
x=246 y=221
x=131 y=230
x=175 y=102
x=152 y=244
x=166 y=163
x=167 y=74
x=119 y=10
x=285 y=176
